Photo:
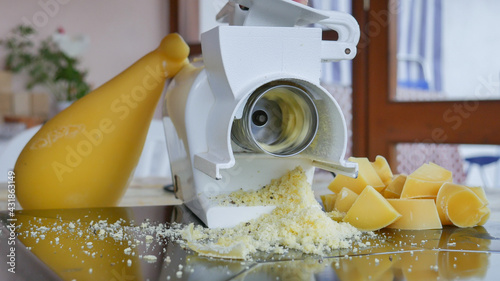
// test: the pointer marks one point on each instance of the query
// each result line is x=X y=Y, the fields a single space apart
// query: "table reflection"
x=68 y=244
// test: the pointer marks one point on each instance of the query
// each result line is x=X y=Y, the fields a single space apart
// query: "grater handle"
x=348 y=31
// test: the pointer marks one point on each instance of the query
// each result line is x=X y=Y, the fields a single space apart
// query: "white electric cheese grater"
x=253 y=108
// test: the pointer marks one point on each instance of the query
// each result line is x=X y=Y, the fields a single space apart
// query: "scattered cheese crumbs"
x=296 y=223
x=127 y=251
x=149 y=239
x=71 y=225
x=149 y=258
x=129 y=263
x=178 y=274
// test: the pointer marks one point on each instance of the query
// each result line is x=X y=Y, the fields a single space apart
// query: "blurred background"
x=424 y=87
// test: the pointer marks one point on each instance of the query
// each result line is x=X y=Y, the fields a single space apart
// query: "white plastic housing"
x=203 y=100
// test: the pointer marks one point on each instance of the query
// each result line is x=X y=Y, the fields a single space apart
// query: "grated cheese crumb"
x=149 y=258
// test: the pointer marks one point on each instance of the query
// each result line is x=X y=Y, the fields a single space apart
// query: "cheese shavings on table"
x=297 y=222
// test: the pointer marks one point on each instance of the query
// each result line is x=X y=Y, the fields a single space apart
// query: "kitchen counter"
x=65 y=253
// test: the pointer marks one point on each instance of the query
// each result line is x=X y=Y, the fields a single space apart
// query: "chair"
x=481 y=162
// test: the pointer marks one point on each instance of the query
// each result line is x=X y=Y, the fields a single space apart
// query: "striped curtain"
x=335 y=73
x=419 y=44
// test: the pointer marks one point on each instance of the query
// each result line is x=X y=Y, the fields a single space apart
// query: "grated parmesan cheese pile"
x=297 y=223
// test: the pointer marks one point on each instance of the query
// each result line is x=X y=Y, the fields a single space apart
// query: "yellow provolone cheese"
x=371 y=211
x=394 y=189
x=416 y=214
x=345 y=199
x=366 y=176
x=383 y=169
x=425 y=181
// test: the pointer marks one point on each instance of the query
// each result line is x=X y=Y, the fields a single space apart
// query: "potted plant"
x=46 y=65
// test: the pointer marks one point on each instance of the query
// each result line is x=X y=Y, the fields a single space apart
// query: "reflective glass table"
x=72 y=250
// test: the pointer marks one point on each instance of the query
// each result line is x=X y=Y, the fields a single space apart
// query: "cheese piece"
x=383 y=169
x=328 y=201
x=425 y=181
x=465 y=209
x=366 y=176
x=416 y=214
x=345 y=199
x=446 y=190
x=371 y=211
x=394 y=189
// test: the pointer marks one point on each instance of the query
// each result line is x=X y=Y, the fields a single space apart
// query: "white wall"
x=471 y=49
x=121 y=31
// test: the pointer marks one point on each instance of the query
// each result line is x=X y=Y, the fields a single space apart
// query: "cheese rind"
x=394 y=189
x=416 y=214
x=366 y=176
x=371 y=211
x=383 y=169
x=345 y=199
x=425 y=181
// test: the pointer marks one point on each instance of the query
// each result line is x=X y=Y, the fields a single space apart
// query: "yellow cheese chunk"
x=465 y=208
x=416 y=214
x=449 y=189
x=383 y=169
x=425 y=181
x=366 y=176
x=371 y=211
x=446 y=190
x=345 y=199
x=328 y=201
x=394 y=189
